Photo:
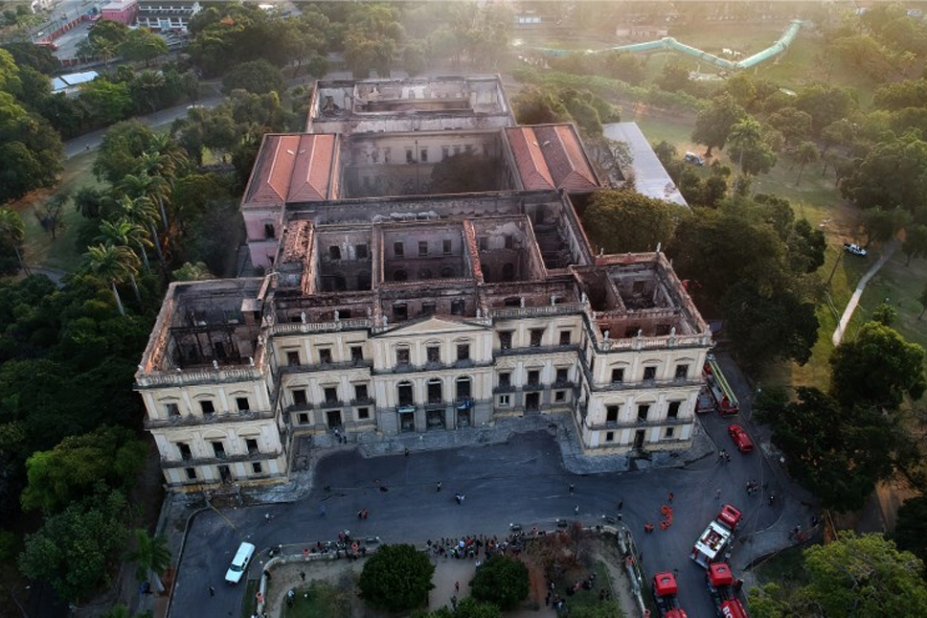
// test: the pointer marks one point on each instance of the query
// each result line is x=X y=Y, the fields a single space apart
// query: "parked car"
x=239 y=563
x=741 y=439
x=694 y=159
x=854 y=249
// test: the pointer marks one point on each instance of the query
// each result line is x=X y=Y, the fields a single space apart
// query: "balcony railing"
x=290 y=328
x=167 y=462
x=363 y=401
x=189 y=377
x=648 y=384
x=524 y=312
x=192 y=420
x=637 y=423
x=535 y=349
x=504 y=388
x=336 y=366
x=300 y=407
x=410 y=368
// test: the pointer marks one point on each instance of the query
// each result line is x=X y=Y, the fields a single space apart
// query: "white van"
x=239 y=563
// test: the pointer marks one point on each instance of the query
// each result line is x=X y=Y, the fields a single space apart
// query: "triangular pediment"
x=433 y=325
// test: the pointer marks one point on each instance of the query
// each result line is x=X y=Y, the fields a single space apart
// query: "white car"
x=854 y=249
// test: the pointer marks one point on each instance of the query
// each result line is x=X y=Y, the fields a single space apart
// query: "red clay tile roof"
x=565 y=157
x=291 y=168
x=535 y=176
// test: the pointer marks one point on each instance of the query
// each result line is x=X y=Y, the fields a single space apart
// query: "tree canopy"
x=714 y=123
x=838 y=453
x=626 y=221
x=502 y=581
x=877 y=368
x=396 y=578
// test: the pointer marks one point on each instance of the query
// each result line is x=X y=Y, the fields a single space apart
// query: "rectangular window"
x=292 y=358
x=303 y=419
x=669 y=432
x=172 y=409
x=445 y=152
x=243 y=404
x=537 y=334
x=650 y=373
x=360 y=391
x=357 y=353
x=402 y=356
x=617 y=375
x=559 y=395
x=191 y=473
x=409 y=157
x=269 y=231
x=565 y=337
x=325 y=356
x=463 y=351
x=505 y=379
x=505 y=340
x=331 y=394
x=185 y=452
x=399 y=250
x=611 y=414
x=257 y=468
x=218 y=449
x=509 y=241
x=360 y=252
x=400 y=313
x=423 y=155
x=534 y=378
x=363 y=413
x=468 y=148
x=562 y=375
x=503 y=400
x=299 y=397
x=673 y=410
x=609 y=436
x=433 y=353
x=429 y=308
x=251 y=445
x=642 y=411
x=334 y=253
x=456 y=150
x=207 y=407
x=422 y=248
x=682 y=372
x=447 y=246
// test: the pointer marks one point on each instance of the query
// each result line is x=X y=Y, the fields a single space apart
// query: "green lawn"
x=61 y=253
x=901 y=285
x=319 y=600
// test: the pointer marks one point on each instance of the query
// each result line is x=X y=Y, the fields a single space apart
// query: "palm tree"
x=141 y=211
x=745 y=135
x=13 y=230
x=113 y=265
x=125 y=233
x=155 y=188
x=153 y=558
x=805 y=153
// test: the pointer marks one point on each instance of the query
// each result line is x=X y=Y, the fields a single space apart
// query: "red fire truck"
x=664 y=595
x=717 y=537
x=718 y=388
x=722 y=586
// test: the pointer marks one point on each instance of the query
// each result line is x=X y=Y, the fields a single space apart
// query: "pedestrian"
x=212 y=591
x=360 y=514
x=670 y=497
x=321 y=510
x=407 y=451
x=772 y=497
x=572 y=488
x=456 y=586
x=718 y=494
x=727 y=457
x=365 y=512
x=302 y=575
x=620 y=504
x=576 y=510
x=454 y=602
x=438 y=487
x=721 y=456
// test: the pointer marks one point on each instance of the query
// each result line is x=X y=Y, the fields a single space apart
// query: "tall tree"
x=714 y=123
x=13 y=231
x=396 y=578
x=749 y=149
x=372 y=40
x=502 y=581
x=626 y=221
x=123 y=232
x=141 y=45
x=915 y=242
x=877 y=368
x=153 y=558
x=803 y=154
x=112 y=265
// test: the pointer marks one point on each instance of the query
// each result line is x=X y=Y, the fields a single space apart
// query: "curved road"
x=522 y=480
x=887 y=253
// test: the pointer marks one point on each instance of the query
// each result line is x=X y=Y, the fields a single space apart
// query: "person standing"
x=572 y=488
x=212 y=591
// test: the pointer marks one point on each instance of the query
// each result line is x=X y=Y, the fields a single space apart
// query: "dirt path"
x=887 y=253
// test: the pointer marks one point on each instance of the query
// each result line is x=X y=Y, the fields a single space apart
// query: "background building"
x=418 y=280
